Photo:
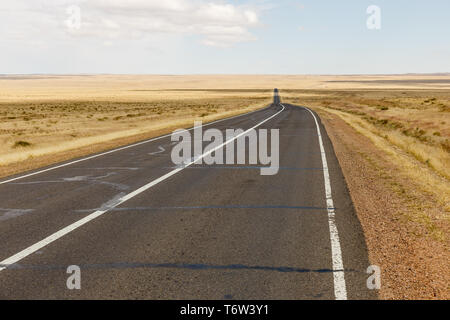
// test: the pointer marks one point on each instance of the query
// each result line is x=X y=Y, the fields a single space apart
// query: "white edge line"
x=340 y=290
x=120 y=149
x=55 y=236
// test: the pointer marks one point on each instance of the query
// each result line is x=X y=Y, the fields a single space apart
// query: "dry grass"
x=404 y=227
x=420 y=173
x=45 y=122
x=47 y=119
x=46 y=114
x=416 y=121
x=412 y=127
x=399 y=178
x=139 y=87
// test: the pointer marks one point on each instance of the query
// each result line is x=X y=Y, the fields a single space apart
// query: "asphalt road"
x=140 y=227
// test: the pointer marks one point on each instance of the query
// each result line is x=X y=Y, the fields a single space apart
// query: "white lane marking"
x=39 y=245
x=120 y=149
x=340 y=290
x=161 y=150
x=13 y=213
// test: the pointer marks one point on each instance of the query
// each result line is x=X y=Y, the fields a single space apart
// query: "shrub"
x=21 y=144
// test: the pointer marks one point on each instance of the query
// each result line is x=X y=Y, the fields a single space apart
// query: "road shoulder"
x=390 y=208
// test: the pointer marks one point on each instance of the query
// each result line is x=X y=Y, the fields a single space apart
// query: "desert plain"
x=390 y=133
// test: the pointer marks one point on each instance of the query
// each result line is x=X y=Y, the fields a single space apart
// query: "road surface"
x=139 y=227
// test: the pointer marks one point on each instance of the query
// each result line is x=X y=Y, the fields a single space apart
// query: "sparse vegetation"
x=411 y=122
x=21 y=143
x=396 y=163
x=64 y=122
x=62 y=117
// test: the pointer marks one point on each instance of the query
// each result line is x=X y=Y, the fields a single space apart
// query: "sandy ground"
x=137 y=87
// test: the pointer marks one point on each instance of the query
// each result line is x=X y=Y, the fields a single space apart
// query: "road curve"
x=140 y=227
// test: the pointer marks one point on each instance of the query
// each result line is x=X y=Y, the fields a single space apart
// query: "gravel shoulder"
x=405 y=233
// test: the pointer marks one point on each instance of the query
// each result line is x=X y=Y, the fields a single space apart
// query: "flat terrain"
x=390 y=135
x=48 y=120
x=205 y=232
x=393 y=146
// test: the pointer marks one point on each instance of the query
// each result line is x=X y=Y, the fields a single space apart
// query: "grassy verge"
x=34 y=130
x=412 y=126
x=393 y=148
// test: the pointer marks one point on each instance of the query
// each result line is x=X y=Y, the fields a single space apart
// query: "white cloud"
x=220 y=23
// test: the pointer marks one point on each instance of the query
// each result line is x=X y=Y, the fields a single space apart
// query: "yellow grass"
x=47 y=119
x=427 y=179
x=54 y=114
x=39 y=128
x=411 y=125
x=136 y=87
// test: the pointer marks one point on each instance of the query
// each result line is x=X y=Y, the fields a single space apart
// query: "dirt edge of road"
x=412 y=259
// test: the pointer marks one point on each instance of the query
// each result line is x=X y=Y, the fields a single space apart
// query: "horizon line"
x=226 y=74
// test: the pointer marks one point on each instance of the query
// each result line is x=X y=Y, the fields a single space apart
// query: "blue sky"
x=235 y=36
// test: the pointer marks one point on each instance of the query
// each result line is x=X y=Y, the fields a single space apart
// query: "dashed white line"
x=161 y=150
x=57 y=235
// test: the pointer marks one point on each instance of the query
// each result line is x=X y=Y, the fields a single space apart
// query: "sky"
x=224 y=36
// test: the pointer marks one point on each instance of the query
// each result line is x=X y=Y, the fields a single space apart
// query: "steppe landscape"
x=390 y=133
